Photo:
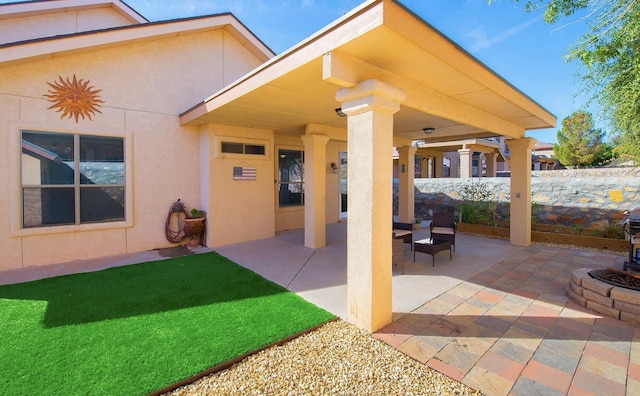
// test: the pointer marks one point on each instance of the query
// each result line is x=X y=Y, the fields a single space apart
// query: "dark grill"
x=631 y=226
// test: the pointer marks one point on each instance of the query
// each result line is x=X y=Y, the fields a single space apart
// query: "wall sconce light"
x=334 y=167
x=428 y=131
x=340 y=113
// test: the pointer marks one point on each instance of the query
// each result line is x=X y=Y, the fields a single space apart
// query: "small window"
x=235 y=148
x=257 y=149
x=241 y=148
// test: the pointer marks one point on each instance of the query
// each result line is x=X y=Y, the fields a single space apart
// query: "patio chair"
x=403 y=231
x=444 y=228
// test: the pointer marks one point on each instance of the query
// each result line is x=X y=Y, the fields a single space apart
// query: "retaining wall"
x=613 y=301
x=590 y=198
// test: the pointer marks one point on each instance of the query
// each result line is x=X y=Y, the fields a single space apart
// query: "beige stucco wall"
x=144 y=86
x=237 y=210
x=293 y=218
x=59 y=23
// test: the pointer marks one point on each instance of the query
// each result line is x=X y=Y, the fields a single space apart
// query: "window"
x=290 y=174
x=242 y=148
x=71 y=179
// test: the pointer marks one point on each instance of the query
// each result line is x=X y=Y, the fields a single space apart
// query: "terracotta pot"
x=193 y=226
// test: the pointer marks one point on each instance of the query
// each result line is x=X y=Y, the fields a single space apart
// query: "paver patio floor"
x=511 y=330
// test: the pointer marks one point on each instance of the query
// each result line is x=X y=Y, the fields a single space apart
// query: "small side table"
x=431 y=247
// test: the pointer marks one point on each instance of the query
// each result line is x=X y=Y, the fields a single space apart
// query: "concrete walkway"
x=495 y=317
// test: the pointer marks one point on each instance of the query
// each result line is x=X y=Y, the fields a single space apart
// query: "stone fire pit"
x=616 y=301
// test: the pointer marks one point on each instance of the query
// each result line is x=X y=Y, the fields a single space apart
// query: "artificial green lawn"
x=136 y=329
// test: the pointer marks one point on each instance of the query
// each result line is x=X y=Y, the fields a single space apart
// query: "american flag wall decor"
x=244 y=173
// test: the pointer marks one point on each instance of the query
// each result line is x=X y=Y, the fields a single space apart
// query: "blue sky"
x=517 y=45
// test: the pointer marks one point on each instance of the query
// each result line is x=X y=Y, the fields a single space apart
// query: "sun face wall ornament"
x=74 y=98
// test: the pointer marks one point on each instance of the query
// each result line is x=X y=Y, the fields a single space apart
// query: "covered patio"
x=393 y=75
x=496 y=317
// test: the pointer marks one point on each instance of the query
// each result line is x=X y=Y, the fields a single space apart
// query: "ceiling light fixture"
x=340 y=113
x=428 y=131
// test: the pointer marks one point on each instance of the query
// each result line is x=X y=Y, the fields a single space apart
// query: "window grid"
x=93 y=202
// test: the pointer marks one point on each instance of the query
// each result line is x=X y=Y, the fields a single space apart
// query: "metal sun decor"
x=74 y=98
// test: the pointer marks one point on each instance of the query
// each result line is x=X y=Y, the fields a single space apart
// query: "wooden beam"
x=347 y=71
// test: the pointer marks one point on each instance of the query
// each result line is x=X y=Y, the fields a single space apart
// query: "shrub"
x=613 y=231
x=478 y=204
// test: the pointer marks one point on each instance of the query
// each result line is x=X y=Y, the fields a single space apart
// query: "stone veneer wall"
x=591 y=198
x=616 y=302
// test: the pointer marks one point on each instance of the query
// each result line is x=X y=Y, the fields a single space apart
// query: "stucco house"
x=106 y=119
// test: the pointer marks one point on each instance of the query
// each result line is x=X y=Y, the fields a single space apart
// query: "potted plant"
x=194 y=225
x=197 y=214
x=416 y=223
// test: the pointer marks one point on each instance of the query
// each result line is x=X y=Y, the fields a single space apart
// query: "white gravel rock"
x=336 y=359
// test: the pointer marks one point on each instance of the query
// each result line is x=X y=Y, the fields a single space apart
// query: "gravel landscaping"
x=336 y=359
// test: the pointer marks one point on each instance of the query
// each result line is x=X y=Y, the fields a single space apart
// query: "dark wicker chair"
x=443 y=227
x=408 y=238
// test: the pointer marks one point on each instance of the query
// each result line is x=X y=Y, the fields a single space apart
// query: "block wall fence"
x=590 y=198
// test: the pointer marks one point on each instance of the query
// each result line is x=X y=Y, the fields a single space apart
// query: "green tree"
x=605 y=155
x=579 y=143
x=610 y=54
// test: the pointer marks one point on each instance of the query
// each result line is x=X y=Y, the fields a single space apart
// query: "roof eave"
x=218 y=98
x=50 y=47
x=29 y=8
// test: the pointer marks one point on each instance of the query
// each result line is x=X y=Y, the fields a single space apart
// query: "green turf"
x=136 y=329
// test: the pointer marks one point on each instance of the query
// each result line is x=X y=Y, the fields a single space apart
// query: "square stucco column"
x=520 y=164
x=438 y=165
x=370 y=106
x=406 y=195
x=453 y=165
x=491 y=160
x=315 y=186
x=465 y=163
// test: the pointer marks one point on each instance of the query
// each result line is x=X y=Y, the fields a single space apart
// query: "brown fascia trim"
x=141 y=25
x=132 y=9
x=44 y=1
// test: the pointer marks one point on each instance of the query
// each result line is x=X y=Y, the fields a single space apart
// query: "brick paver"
x=548 y=376
x=511 y=330
x=502 y=365
x=490 y=382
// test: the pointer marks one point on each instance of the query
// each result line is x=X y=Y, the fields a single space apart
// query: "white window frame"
x=278 y=181
x=15 y=181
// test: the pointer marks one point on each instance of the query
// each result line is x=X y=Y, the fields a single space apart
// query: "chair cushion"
x=401 y=233
x=442 y=230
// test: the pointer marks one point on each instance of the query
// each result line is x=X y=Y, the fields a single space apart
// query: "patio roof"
x=447 y=88
x=482 y=145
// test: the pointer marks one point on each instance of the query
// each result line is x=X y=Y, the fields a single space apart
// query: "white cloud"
x=480 y=39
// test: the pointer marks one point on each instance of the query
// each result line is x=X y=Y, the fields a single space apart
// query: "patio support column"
x=453 y=165
x=315 y=182
x=438 y=165
x=406 y=194
x=465 y=163
x=520 y=229
x=491 y=160
x=370 y=106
